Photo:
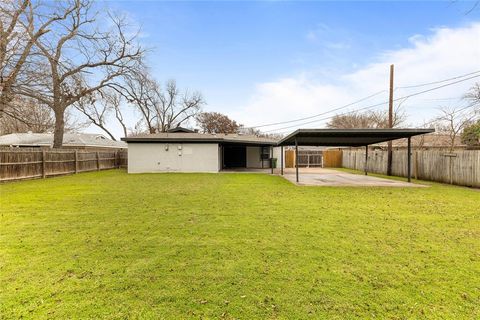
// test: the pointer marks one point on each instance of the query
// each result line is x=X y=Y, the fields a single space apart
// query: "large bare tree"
x=24 y=114
x=473 y=96
x=160 y=110
x=79 y=57
x=369 y=119
x=21 y=26
x=99 y=107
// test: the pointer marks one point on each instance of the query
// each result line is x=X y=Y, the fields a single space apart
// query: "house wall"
x=180 y=157
x=277 y=154
x=253 y=157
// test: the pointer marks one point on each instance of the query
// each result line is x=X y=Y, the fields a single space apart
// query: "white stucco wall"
x=277 y=154
x=253 y=157
x=180 y=157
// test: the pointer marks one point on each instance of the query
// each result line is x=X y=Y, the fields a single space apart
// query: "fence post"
x=98 y=161
x=415 y=165
x=44 y=174
x=76 y=161
x=117 y=159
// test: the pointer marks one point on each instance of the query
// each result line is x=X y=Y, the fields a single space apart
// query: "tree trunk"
x=59 y=128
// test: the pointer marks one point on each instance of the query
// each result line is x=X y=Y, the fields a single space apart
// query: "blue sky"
x=240 y=53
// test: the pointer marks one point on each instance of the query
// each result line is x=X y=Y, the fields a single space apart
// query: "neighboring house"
x=184 y=151
x=70 y=140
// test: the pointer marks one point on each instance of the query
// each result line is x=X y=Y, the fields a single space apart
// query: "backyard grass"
x=249 y=246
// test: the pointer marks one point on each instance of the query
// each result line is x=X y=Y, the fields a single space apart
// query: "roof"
x=180 y=129
x=181 y=137
x=69 y=140
x=348 y=137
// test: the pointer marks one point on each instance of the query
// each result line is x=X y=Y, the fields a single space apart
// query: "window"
x=265 y=153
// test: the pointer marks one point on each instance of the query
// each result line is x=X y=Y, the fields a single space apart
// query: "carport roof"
x=348 y=137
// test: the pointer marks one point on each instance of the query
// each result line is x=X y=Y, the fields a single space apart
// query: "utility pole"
x=390 y=123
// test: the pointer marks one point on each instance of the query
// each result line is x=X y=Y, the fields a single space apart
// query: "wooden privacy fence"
x=459 y=167
x=314 y=158
x=17 y=164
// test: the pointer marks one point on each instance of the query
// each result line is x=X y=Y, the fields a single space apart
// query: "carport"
x=348 y=138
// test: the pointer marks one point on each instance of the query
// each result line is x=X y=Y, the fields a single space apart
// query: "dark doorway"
x=234 y=156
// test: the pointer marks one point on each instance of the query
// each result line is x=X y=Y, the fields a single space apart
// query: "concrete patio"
x=331 y=177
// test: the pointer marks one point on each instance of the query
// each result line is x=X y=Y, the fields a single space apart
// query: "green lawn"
x=117 y=246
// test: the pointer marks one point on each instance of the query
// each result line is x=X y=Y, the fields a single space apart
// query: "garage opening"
x=234 y=156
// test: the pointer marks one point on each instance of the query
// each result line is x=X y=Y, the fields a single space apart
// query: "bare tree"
x=23 y=114
x=452 y=121
x=80 y=56
x=215 y=122
x=142 y=92
x=473 y=96
x=17 y=22
x=98 y=108
x=160 y=109
x=369 y=119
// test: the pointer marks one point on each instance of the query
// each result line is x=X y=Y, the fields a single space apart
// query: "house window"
x=265 y=153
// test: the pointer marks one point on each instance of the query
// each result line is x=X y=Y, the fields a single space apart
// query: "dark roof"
x=348 y=137
x=180 y=137
x=180 y=129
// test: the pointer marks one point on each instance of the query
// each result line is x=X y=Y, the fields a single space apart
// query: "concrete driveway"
x=331 y=177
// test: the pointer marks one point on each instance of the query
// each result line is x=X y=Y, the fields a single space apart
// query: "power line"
x=378 y=104
x=329 y=117
x=437 y=82
x=319 y=114
x=370 y=96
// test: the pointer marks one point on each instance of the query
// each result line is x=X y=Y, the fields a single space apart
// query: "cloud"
x=444 y=53
x=318 y=33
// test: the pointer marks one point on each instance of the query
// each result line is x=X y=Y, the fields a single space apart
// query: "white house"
x=186 y=151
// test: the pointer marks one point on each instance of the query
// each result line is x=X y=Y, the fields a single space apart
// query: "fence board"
x=17 y=164
x=462 y=168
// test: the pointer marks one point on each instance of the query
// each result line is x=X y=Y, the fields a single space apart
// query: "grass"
x=116 y=246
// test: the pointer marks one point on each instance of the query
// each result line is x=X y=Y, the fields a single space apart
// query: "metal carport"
x=348 y=138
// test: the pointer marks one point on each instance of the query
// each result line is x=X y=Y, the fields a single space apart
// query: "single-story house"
x=70 y=140
x=183 y=151
x=186 y=151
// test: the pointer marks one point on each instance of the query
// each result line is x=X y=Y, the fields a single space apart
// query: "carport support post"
x=409 y=159
x=366 y=159
x=296 y=160
x=271 y=159
x=281 y=160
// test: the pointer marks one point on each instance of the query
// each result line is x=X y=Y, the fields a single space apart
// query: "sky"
x=274 y=61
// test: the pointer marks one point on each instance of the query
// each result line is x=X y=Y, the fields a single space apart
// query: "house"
x=70 y=140
x=183 y=151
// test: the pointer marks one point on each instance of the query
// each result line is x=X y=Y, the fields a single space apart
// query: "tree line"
x=62 y=57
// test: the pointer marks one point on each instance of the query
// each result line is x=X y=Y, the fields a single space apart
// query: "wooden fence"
x=314 y=158
x=461 y=167
x=17 y=164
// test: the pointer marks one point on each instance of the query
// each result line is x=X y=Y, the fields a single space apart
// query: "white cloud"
x=445 y=53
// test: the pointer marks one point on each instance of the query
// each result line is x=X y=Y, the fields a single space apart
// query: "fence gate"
x=332 y=158
x=289 y=158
